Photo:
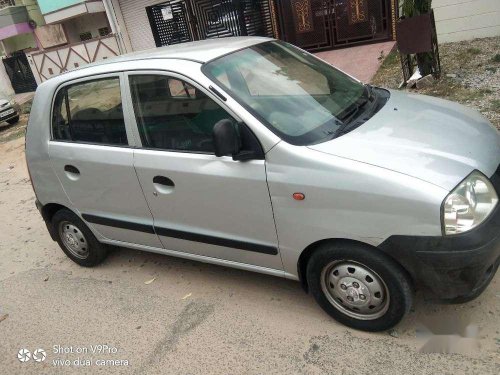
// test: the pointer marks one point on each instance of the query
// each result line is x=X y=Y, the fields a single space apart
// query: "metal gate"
x=179 y=21
x=325 y=24
x=19 y=72
x=170 y=22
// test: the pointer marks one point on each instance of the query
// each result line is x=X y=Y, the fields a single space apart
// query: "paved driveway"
x=193 y=318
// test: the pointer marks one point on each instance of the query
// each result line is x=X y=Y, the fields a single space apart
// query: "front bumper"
x=4 y=117
x=455 y=267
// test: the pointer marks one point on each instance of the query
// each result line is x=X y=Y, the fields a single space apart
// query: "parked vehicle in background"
x=254 y=154
x=8 y=112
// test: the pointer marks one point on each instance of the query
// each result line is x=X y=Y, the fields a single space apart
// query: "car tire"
x=77 y=240
x=359 y=286
x=13 y=120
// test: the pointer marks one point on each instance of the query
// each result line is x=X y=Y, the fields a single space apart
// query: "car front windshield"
x=299 y=97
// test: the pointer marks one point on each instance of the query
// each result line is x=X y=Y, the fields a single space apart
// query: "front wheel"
x=359 y=287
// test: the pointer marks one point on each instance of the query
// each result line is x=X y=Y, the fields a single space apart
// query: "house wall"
x=88 y=22
x=47 y=6
x=33 y=11
x=6 y=90
x=466 y=19
x=19 y=42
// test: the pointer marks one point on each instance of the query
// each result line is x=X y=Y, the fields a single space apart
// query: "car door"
x=91 y=154
x=201 y=204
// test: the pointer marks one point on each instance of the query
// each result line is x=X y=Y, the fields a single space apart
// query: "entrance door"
x=201 y=204
x=19 y=72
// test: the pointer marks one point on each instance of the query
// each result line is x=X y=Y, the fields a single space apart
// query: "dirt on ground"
x=151 y=314
x=470 y=75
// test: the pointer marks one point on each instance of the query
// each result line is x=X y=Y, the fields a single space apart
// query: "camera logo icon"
x=39 y=355
x=24 y=355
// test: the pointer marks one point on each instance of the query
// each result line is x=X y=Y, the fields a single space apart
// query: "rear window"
x=90 y=112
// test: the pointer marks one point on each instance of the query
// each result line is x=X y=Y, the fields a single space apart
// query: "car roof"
x=200 y=51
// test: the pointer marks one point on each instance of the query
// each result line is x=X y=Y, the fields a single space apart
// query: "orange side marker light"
x=298 y=196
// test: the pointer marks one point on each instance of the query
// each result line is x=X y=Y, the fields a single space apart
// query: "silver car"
x=251 y=153
x=8 y=112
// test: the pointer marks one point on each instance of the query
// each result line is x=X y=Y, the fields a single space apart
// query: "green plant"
x=412 y=8
x=496 y=58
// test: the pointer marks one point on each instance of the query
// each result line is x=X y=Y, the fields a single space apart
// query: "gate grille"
x=325 y=24
x=169 y=23
x=19 y=72
x=205 y=19
x=361 y=19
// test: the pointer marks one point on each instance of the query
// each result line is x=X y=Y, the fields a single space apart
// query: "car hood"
x=431 y=139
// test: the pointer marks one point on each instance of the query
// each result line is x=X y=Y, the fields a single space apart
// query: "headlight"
x=469 y=204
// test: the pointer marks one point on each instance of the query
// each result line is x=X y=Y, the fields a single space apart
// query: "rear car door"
x=90 y=151
x=201 y=204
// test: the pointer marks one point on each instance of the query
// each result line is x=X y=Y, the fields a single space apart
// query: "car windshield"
x=299 y=97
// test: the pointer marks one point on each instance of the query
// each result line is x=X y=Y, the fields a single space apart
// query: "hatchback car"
x=251 y=153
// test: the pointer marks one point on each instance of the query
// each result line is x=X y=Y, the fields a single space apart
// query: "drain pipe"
x=115 y=27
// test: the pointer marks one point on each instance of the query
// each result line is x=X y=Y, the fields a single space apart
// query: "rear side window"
x=90 y=112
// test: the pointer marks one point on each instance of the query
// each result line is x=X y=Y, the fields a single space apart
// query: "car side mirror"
x=226 y=139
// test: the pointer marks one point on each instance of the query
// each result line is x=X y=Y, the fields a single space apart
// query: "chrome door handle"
x=72 y=172
x=162 y=185
x=161 y=180
x=71 y=169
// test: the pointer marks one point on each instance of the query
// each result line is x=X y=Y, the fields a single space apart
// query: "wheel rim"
x=73 y=239
x=355 y=290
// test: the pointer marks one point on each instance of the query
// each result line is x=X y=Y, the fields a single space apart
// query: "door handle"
x=163 y=185
x=72 y=172
x=71 y=169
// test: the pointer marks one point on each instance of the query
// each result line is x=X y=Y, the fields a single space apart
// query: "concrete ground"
x=151 y=314
x=361 y=62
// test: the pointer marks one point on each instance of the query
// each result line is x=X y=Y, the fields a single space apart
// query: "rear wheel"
x=76 y=239
x=359 y=286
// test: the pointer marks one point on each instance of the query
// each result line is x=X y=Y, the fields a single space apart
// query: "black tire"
x=13 y=120
x=97 y=251
x=397 y=284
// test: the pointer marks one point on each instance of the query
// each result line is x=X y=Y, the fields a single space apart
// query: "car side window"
x=173 y=115
x=90 y=112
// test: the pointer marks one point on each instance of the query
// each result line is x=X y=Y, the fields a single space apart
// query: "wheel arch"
x=48 y=211
x=309 y=250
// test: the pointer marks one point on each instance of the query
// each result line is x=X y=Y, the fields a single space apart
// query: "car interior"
x=174 y=115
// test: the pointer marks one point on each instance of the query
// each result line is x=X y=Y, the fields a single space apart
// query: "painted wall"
x=19 y=42
x=33 y=9
x=6 y=90
x=89 y=22
x=47 y=6
x=466 y=19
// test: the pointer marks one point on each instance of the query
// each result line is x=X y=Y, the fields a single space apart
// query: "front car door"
x=91 y=154
x=201 y=204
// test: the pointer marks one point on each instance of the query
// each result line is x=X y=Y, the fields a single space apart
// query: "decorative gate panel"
x=20 y=74
x=325 y=24
x=307 y=23
x=170 y=22
x=362 y=19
